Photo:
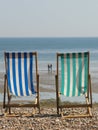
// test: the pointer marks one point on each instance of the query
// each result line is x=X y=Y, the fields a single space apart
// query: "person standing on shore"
x=49 y=67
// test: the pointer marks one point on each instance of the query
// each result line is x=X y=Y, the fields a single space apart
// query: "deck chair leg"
x=89 y=111
x=8 y=107
x=33 y=112
x=86 y=99
x=57 y=106
x=61 y=112
x=39 y=109
x=9 y=103
x=57 y=110
x=38 y=94
x=88 y=107
x=57 y=94
x=4 y=91
x=38 y=106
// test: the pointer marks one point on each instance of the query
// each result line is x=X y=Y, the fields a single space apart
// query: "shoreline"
x=47 y=82
x=47 y=87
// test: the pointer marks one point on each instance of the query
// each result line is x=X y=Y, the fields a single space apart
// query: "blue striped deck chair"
x=20 y=68
x=73 y=79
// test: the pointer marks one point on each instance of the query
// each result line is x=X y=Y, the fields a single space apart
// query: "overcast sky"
x=48 y=18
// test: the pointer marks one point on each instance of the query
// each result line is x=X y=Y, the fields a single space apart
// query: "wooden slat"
x=21 y=105
x=76 y=116
x=74 y=105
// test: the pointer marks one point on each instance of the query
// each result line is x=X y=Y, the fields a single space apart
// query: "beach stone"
x=48 y=120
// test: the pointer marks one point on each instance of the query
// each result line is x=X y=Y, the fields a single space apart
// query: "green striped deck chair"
x=21 y=79
x=73 y=79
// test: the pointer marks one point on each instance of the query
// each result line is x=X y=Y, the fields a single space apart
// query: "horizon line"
x=51 y=37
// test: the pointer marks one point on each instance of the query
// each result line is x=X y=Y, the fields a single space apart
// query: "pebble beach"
x=48 y=120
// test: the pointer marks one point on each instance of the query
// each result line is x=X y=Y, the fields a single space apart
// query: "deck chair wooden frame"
x=88 y=97
x=7 y=97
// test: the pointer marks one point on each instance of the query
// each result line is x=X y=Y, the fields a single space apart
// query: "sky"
x=48 y=18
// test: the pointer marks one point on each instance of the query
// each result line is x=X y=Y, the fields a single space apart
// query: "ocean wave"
x=63 y=50
x=94 y=51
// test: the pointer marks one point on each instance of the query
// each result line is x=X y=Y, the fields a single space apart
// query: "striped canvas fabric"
x=19 y=73
x=74 y=74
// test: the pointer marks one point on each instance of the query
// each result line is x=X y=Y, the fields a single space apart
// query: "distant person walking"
x=49 y=67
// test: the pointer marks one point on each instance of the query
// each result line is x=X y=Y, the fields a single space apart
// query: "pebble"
x=47 y=121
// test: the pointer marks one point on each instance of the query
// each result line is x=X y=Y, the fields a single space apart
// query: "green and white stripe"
x=74 y=74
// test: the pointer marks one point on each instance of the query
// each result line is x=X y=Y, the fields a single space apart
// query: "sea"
x=48 y=47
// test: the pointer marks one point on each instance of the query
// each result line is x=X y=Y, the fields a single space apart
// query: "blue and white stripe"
x=19 y=73
x=74 y=74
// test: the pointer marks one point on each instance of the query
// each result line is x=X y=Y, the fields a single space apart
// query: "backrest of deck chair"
x=74 y=73
x=19 y=70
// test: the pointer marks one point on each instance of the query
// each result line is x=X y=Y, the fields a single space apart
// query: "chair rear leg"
x=9 y=104
x=4 y=92
x=8 y=108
